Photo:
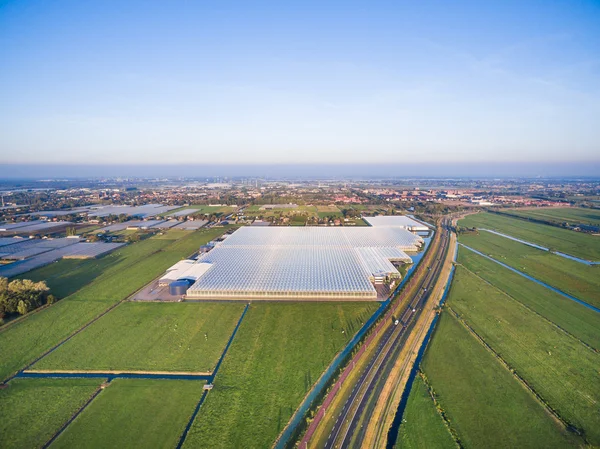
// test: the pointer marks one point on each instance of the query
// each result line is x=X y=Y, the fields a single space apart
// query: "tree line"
x=21 y=296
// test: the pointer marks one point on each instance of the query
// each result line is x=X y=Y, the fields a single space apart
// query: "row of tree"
x=21 y=296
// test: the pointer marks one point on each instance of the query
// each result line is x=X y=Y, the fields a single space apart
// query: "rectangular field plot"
x=571 y=215
x=574 y=278
x=134 y=413
x=569 y=315
x=172 y=337
x=574 y=243
x=33 y=410
x=422 y=425
x=279 y=352
x=485 y=404
x=560 y=369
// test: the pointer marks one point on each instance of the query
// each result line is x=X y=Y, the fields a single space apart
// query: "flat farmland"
x=279 y=352
x=134 y=413
x=132 y=267
x=203 y=209
x=560 y=215
x=577 y=279
x=561 y=369
x=574 y=243
x=422 y=425
x=485 y=405
x=150 y=337
x=576 y=319
x=32 y=410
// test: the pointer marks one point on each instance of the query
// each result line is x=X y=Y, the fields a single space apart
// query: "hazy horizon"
x=301 y=171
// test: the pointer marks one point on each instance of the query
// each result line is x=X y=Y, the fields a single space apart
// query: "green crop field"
x=560 y=215
x=565 y=313
x=133 y=267
x=574 y=243
x=134 y=413
x=575 y=278
x=202 y=209
x=422 y=425
x=150 y=337
x=486 y=406
x=561 y=369
x=32 y=410
x=280 y=350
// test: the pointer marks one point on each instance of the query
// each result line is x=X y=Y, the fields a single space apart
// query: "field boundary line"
x=440 y=410
x=108 y=372
x=76 y=414
x=591 y=348
x=568 y=426
x=17 y=320
x=534 y=279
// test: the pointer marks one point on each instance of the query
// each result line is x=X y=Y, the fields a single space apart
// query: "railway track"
x=348 y=430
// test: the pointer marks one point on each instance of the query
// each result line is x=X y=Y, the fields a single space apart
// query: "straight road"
x=347 y=430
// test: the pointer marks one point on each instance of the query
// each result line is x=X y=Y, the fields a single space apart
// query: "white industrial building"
x=402 y=221
x=299 y=262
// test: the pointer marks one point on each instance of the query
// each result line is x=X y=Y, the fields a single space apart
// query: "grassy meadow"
x=569 y=276
x=134 y=266
x=423 y=426
x=33 y=410
x=556 y=365
x=577 y=244
x=484 y=403
x=279 y=352
x=560 y=215
x=134 y=413
x=150 y=337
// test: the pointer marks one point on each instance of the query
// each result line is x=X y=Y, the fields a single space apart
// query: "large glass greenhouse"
x=303 y=262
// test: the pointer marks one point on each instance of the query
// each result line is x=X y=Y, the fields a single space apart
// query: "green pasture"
x=33 y=410
x=279 y=352
x=560 y=215
x=575 y=278
x=562 y=370
x=150 y=337
x=422 y=425
x=484 y=403
x=134 y=413
x=130 y=268
x=577 y=244
x=574 y=318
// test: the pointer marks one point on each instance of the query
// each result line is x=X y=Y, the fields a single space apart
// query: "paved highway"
x=347 y=430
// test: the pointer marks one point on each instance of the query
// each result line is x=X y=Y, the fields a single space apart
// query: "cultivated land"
x=560 y=215
x=131 y=268
x=577 y=244
x=133 y=414
x=574 y=318
x=150 y=337
x=32 y=410
x=485 y=404
x=280 y=350
x=423 y=426
x=569 y=276
x=557 y=366
x=203 y=209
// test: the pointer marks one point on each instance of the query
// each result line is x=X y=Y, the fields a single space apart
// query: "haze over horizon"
x=501 y=85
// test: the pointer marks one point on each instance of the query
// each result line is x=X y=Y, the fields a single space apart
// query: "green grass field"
x=562 y=370
x=422 y=425
x=280 y=350
x=559 y=215
x=203 y=209
x=32 y=410
x=134 y=413
x=574 y=243
x=569 y=315
x=150 y=337
x=485 y=404
x=133 y=267
x=577 y=279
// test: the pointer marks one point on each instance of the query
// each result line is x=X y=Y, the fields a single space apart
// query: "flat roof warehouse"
x=304 y=262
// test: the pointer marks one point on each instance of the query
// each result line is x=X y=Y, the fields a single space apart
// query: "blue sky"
x=299 y=82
